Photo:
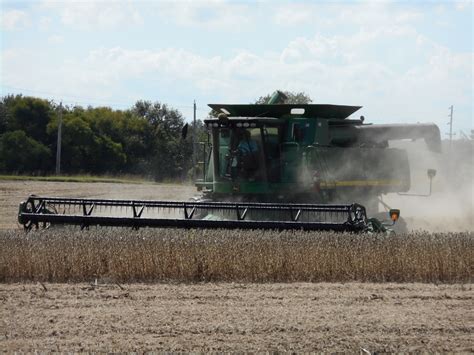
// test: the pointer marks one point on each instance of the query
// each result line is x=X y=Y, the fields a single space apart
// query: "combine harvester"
x=272 y=166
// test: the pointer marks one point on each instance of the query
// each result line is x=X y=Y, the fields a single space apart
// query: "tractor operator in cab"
x=247 y=145
x=245 y=161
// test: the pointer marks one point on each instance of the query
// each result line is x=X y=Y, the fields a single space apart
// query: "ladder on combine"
x=41 y=212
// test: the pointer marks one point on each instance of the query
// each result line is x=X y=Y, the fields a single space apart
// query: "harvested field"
x=237 y=317
x=68 y=254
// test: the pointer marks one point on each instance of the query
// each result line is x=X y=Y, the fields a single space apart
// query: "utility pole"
x=58 y=148
x=451 y=127
x=194 y=140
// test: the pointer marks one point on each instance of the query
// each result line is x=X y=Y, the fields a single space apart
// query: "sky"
x=403 y=61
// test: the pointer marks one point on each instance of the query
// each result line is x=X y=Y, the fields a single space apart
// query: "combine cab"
x=273 y=166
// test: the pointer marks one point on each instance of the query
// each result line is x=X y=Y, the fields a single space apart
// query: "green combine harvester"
x=272 y=166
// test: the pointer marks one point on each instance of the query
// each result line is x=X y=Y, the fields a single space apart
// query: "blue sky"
x=403 y=61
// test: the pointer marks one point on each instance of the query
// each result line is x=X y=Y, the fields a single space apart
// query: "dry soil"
x=237 y=317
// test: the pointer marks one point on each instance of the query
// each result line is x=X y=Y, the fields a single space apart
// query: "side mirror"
x=431 y=173
x=184 y=131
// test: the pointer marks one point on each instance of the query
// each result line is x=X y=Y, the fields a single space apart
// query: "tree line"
x=143 y=140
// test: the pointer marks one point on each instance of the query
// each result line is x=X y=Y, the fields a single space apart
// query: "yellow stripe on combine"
x=360 y=183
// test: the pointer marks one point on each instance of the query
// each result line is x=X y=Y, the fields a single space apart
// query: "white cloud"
x=45 y=22
x=14 y=19
x=378 y=14
x=333 y=69
x=367 y=14
x=55 y=39
x=463 y=5
x=91 y=15
x=106 y=14
x=288 y=15
x=212 y=14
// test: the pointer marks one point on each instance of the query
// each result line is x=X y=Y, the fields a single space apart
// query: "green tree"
x=159 y=115
x=77 y=142
x=292 y=98
x=169 y=155
x=5 y=112
x=125 y=128
x=3 y=117
x=30 y=115
x=84 y=150
x=145 y=139
x=107 y=156
x=22 y=154
x=137 y=141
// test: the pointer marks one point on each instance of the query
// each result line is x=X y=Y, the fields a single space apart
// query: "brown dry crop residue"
x=236 y=317
x=157 y=255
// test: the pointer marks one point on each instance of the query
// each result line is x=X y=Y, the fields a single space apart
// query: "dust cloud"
x=450 y=207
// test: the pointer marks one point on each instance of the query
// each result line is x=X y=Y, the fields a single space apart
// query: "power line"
x=90 y=101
